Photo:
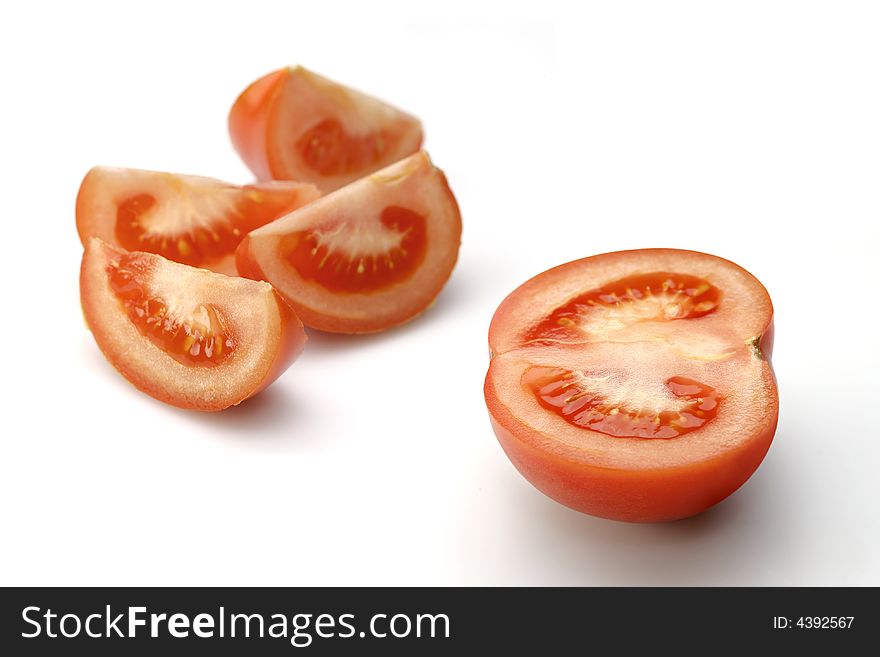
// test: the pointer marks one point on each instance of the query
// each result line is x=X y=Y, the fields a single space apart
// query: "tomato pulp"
x=193 y=220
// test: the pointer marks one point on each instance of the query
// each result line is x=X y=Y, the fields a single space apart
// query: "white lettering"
x=134 y=621
x=178 y=625
x=24 y=616
x=203 y=626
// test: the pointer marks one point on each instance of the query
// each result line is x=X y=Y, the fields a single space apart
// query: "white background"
x=750 y=130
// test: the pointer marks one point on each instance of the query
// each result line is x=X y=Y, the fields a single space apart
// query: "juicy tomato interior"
x=328 y=148
x=653 y=296
x=214 y=221
x=578 y=398
x=642 y=297
x=198 y=337
x=360 y=257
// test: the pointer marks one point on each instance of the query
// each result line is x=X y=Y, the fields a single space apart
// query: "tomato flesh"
x=642 y=297
x=330 y=150
x=201 y=339
x=569 y=395
x=346 y=257
x=195 y=247
x=201 y=242
x=192 y=220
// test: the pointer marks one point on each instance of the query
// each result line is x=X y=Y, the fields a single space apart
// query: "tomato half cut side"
x=188 y=337
x=635 y=385
x=193 y=220
x=366 y=257
x=296 y=125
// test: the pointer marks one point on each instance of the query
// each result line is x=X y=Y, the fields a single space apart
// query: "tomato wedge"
x=295 y=125
x=369 y=256
x=635 y=385
x=186 y=336
x=189 y=219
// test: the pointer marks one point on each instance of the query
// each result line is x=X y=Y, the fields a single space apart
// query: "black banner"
x=407 y=621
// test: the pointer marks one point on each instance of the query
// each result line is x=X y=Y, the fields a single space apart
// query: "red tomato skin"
x=248 y=122
x=292 y=342
x=644 y=496
x=765 y=344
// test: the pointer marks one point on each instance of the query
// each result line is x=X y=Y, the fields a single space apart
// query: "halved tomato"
x=295 y=125
x=369 y=256
x=635 y=385
x=189 y=219
x=186 y=336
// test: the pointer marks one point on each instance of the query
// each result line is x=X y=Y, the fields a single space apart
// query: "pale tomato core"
x=570 y=395
x=652 y=296
x=199 y=339
x=316 y=257
x=328 y=148
x=201 y=241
